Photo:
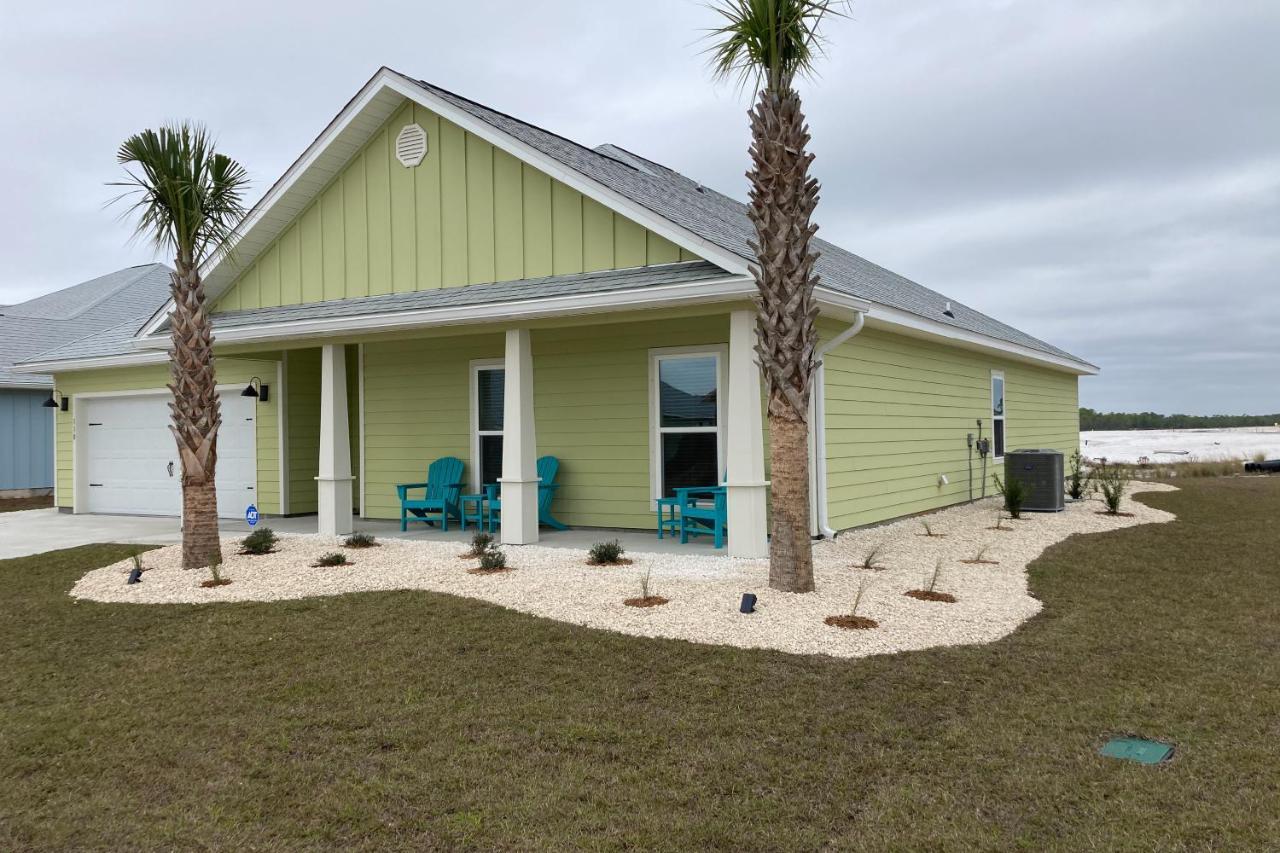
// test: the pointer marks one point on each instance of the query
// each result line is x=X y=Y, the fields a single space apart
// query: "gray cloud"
x=1105 y=175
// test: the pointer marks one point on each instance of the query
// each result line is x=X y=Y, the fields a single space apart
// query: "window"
x=487 y=394
x=997 y=414
x=686 y=419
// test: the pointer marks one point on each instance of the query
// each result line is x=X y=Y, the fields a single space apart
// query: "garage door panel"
x=132 y=465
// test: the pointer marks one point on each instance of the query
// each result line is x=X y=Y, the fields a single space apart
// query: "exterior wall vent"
x=411 y=145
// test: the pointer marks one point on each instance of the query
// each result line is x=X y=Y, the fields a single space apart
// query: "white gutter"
x=818 y=457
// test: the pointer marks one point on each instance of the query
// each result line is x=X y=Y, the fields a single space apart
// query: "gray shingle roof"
x=121 y=300
x=477 y=294
x=723 y=221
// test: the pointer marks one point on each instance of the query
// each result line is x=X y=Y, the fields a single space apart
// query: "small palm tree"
x=767 y=43
x=187 y=200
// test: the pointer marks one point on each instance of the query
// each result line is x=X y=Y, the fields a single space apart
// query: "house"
x=126 y=296
x=433 y=277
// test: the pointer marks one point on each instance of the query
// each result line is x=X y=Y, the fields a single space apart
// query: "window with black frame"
x=688 y=421
x=490 y=389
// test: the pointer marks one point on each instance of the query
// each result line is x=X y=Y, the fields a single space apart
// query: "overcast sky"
x=1104 y=175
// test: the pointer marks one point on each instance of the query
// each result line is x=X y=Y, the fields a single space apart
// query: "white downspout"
x=819 y=456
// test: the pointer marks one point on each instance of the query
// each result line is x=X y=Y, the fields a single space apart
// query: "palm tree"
x=767 y=43
x=187 y=200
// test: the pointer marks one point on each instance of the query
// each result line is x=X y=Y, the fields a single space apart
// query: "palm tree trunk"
x=196 y=416
x=783 y=198
x=790 y=547
x=200 y=543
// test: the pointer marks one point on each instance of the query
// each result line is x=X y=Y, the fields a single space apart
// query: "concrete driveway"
x=34 y=531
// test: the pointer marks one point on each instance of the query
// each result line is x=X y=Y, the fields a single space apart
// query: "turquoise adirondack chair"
x=548 y=467
x=703 y=511
x=442 y=489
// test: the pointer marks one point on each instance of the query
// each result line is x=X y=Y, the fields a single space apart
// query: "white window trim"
x=478 y=365
x=1004 y=412
x=721 y=354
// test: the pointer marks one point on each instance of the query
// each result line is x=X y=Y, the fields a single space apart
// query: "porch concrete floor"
x=38 y=530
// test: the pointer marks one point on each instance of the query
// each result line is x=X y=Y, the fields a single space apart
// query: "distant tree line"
x=1091 y=420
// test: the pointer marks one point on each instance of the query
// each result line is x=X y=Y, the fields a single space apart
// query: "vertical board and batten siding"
x=591 y=409
x=470 y=213
x=26 y=440
x=899 y=408
x=231 y=371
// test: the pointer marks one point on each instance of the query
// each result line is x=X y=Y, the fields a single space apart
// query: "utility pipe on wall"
x=818 y=457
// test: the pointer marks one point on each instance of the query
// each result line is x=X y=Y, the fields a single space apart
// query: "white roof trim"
x=660 y=296
x=153 y=350
x=913 y=324
x=94 y=363
x=386 y=81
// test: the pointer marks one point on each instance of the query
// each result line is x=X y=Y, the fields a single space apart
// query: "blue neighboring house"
x=41 y=324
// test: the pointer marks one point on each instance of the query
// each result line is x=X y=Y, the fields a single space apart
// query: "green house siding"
x=469 y=213
x=591 y=408
x=302 y=411
x=231 y=371
x=899 y=408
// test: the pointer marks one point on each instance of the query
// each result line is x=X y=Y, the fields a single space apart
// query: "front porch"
x=632 y=406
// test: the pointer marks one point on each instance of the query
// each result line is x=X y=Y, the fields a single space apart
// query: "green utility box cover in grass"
x=1138 y=749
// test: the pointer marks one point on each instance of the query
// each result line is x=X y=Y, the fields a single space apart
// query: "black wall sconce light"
x=255 y=388
x=57 y=401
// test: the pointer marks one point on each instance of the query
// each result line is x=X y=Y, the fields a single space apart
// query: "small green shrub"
x=1076 y=477
x=215 y=572
x=871 y=562
x=261 y=541
x=857 y=599
x=606 y=553
x=1015 y=493
x=480 y=543
x=931 y=581
x=493 y=559
x=1112 y=481
x=360 y=540
x=333 y=558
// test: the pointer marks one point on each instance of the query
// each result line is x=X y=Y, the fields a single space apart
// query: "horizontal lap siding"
x=591 y=401
x=898 y=410
x=303 y=402
x=416 y=409
x=302 y=368
x=26 y=440
x=231 y=371
x=591 y=410
x=469 y=213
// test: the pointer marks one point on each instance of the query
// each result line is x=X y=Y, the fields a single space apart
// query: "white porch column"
x=333 y=485
x=519 y=444
x=744 y=443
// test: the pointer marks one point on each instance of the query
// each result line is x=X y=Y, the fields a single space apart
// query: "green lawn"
x=412 y=720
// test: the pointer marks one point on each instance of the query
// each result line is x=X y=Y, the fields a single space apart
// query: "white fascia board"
x=387 y=80
x=688 y=293
x=923 y=327
x=98 y=362
x=314 y=151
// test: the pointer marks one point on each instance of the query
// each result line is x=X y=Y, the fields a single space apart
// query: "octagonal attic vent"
x=411 y=145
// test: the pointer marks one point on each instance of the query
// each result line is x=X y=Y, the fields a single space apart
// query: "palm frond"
x=185 y=197
x=767 y=43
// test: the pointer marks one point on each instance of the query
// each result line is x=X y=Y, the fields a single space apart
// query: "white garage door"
x=131 y=461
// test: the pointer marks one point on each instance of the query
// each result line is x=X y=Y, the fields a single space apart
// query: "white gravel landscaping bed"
x=703 y=590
